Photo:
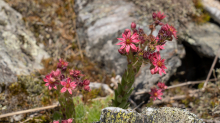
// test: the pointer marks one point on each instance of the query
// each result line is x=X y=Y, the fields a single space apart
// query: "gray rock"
x=204 y=39
x=19 y=51
x=101 y=22
x=6 y=75
x=213 y=8
x=104 y=88
x=18 y=117
x=148 y=115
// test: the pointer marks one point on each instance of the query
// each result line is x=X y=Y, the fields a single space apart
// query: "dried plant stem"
x=178 y=85
x=178 y=97
x=28 y=111
x=210 y=72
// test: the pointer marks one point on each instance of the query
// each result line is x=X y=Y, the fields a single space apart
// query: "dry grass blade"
x=28 y=111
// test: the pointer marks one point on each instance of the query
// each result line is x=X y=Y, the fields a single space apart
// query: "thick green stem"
x=123 y=92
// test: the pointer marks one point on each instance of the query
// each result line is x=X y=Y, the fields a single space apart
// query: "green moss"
x=202 y=16
x=90 y=112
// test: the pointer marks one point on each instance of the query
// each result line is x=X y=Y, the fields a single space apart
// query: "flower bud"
x=154 y=16
x=133 y=25
x=126 y=31
x=80 y=84
x=135 y=31
x=86 y=82
x=122 y=51
x=141 y=31
x=64 y=68
x=87 y=88
x=62 y=77
x=152 y=48
x=146 y=55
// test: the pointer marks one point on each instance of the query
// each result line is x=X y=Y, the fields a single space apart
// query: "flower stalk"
x=133 y=43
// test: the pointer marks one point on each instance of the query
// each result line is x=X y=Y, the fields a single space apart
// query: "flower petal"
x=63 y=90
x=46 y=80
x=55 y=87
x=63 y=83
x=134 y=36
x=120 y=43
x=47 y=84
x=135 y=41
x=123 y=46
x=133 y=47
x=127 y=48
x=123 y=35
x=121 y=39
x=70 y=91
x=129 y=34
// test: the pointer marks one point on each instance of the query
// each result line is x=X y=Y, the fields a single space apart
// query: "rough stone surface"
x=101 y=22
x=104 y=88
x=204 y=39
x=148 y=115
x=19 y=54
x=213 y=7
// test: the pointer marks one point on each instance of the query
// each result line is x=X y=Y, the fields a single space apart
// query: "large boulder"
x=19 y=53
x=148 y=115
x=213 y=8
x=204 y=39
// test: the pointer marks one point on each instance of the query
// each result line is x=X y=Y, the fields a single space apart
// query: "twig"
x=178 y=85
x=28 y=111
x=178 y=97
x=139 y=105
x=210 y=72
x=130 y=100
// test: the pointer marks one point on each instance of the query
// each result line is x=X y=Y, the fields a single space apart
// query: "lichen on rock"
x=148 y=115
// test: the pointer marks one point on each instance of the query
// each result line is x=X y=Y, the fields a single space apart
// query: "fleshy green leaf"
x=57 y=115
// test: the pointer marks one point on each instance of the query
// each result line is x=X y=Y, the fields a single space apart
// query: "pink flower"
x=86 y=82
x=173 y=31
x=127 y=41
x=50 y=81
x=87 y=88
x=161 y=85
x=160 y=15
x=75 y=73
x=56 y=73
x=67 y=121
x=160 y=47
x=62 y=63
x=159 y=64
x=68 y=85
x=156 y=93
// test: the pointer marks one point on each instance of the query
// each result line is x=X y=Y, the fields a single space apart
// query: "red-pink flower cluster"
x=135 y=41
x=57 y=78
x=157 y=93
